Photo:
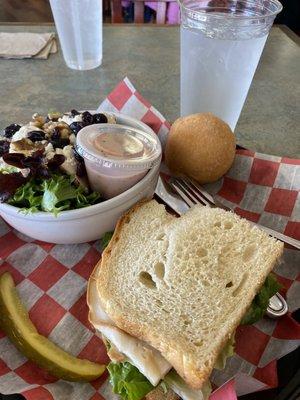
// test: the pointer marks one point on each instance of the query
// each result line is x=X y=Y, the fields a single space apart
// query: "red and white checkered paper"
x=52 y=279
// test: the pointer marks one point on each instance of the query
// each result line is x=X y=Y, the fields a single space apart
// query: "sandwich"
x=169 y=293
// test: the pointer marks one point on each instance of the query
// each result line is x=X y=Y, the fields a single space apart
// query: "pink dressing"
x=116 y=156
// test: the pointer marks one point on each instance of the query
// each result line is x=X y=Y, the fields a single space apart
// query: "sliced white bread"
x=182 y=285
x=124 y=347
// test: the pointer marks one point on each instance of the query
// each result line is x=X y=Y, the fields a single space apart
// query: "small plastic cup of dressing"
x=116 y=156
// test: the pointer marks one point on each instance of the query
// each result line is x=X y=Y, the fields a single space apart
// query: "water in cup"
x=217 y=73
x=220 y=50
x=79 y=27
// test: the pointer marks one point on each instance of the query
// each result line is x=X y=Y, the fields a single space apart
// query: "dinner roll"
x=200 y=146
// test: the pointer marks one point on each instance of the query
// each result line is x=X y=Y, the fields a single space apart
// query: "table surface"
x=149 y=56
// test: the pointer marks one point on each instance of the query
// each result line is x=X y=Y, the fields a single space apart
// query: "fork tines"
x=191 y=192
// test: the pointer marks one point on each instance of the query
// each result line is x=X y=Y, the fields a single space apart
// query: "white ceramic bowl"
x=84 y=224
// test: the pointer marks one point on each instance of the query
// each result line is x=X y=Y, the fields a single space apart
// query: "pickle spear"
x=15 y=322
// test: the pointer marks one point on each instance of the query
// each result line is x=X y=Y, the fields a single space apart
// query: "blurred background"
x=126 y=11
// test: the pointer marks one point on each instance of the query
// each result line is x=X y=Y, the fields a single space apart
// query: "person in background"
x=172 y=13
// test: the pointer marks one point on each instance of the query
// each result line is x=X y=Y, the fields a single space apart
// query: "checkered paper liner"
x=51 y=279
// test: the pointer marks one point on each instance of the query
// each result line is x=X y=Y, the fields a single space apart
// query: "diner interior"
x=194 y=104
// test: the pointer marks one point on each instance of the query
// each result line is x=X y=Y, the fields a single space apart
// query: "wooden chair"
x=116 y=11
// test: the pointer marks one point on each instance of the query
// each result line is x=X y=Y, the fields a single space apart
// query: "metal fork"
x=192 y=193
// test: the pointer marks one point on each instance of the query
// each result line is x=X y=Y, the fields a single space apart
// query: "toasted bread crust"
x=117 y=232
x=181 y=363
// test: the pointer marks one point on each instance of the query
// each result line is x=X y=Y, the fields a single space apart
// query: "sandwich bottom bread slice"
x=170 y=293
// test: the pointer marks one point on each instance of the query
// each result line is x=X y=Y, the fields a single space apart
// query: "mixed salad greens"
x=40 y=169
x=55 y=194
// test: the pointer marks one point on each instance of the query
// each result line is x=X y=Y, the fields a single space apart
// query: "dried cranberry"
x=33 y=162
x=55 y=134
x=9 y=183
x=36 y=136
x=87 y=118
x=43 y=172
x=4 y=147
x=14 y=159
x=76 y=126
x=60 y=143
x=56 y=161
x=74 y=112
x=80 y=170
x=77 y=156
x=99 y=119
x=11 y=130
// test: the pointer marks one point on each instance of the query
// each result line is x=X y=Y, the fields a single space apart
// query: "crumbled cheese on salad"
x=72 y=138
x=70 y=165
x=68 y=119
x=22 y=133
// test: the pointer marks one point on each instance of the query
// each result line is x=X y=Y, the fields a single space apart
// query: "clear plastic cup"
x=79 y=27
x=116 y=156
x=221 y=44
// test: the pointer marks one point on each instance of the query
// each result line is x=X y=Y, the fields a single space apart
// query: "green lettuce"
x=28 y=197
x=52 y=195
x=106 y=239
x=128 y=382
x=261 y=301
x=9 y=169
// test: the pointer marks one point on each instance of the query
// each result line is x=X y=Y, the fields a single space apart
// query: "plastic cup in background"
x=221 y=44
x=79 y=27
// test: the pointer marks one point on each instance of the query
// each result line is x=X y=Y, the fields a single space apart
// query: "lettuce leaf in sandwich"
x=128 y=381
x=260 y=303
x=130 y=384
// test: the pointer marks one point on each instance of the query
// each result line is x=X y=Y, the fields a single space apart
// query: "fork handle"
x=280 y=236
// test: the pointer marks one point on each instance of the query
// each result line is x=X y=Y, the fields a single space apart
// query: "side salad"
x=40 y=169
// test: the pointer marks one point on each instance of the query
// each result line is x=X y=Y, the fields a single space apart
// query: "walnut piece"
x=25 y=146
x=64 y=129
x=37 y=120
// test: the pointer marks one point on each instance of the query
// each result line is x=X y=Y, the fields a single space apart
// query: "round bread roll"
x=200 y=146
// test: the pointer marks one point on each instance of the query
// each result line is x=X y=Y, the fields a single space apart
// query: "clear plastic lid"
x=119 y=146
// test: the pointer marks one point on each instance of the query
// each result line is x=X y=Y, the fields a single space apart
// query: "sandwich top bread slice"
x=182 y=285
x=123 y=348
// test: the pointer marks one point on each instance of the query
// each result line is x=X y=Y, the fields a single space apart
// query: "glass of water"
x=79 y=27
x=221 y=44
